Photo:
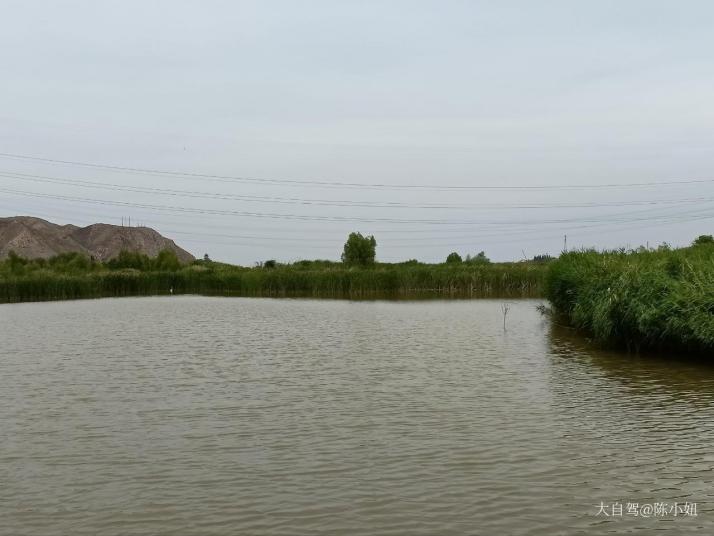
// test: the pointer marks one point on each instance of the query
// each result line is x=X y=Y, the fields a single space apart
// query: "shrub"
x=166 y=260
x=703 y=239
x=479 y=258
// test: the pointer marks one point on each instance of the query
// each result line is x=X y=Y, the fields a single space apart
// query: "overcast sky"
x=316 y=97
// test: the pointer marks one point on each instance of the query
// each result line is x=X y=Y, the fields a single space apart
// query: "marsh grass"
x=645 y=299
x=70 y=278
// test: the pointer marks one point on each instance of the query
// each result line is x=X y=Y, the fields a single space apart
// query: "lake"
x=220 y=416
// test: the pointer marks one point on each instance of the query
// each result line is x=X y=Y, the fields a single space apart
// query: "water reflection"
x=639 y=428
x=680 y=375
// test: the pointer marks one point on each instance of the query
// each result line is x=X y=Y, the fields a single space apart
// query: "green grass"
x=72 y=276
x=656 y=300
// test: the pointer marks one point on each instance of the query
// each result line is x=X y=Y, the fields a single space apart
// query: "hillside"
x=36 y=238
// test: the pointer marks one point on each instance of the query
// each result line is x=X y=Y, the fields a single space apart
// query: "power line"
x=340 y=184
x=477 y=240
x=475 y=243
x=437 y=233
x=442 y=232
x=298 y=217
x=334 y=203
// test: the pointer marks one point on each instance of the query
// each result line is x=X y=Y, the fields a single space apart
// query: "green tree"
x=71 y=262
x=130 y=259
x=454 y=258
x=167 y=260
x=703 y=239
x=479 y=258
x=16 y=263
x=359 y=250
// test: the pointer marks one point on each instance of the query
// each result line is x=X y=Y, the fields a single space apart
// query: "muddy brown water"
x=221 y=416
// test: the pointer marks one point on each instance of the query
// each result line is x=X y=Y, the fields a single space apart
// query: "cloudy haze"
x=467 y=119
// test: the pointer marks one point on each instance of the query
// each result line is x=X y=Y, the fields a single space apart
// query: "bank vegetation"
x=640 y=299
x=73 y=276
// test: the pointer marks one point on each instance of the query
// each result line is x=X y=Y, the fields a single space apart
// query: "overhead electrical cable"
x=335 y=203
x=342 y=184
x=298 y=217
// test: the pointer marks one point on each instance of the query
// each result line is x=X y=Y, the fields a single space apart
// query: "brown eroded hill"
x=33 y=237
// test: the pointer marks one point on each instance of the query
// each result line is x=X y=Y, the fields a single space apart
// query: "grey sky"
x=401 y=93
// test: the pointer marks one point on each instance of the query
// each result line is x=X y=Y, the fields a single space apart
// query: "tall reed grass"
x=660 y=300
x=22 y=280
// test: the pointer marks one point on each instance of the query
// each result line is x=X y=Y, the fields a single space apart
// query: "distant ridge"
x=37 y=238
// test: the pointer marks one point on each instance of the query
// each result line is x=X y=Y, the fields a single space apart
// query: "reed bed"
x=644 y=299
x=22 y=280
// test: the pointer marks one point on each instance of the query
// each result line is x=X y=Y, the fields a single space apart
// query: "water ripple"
x=191 y=415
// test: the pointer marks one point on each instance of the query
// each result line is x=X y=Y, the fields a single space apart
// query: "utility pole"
x=565 y=243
